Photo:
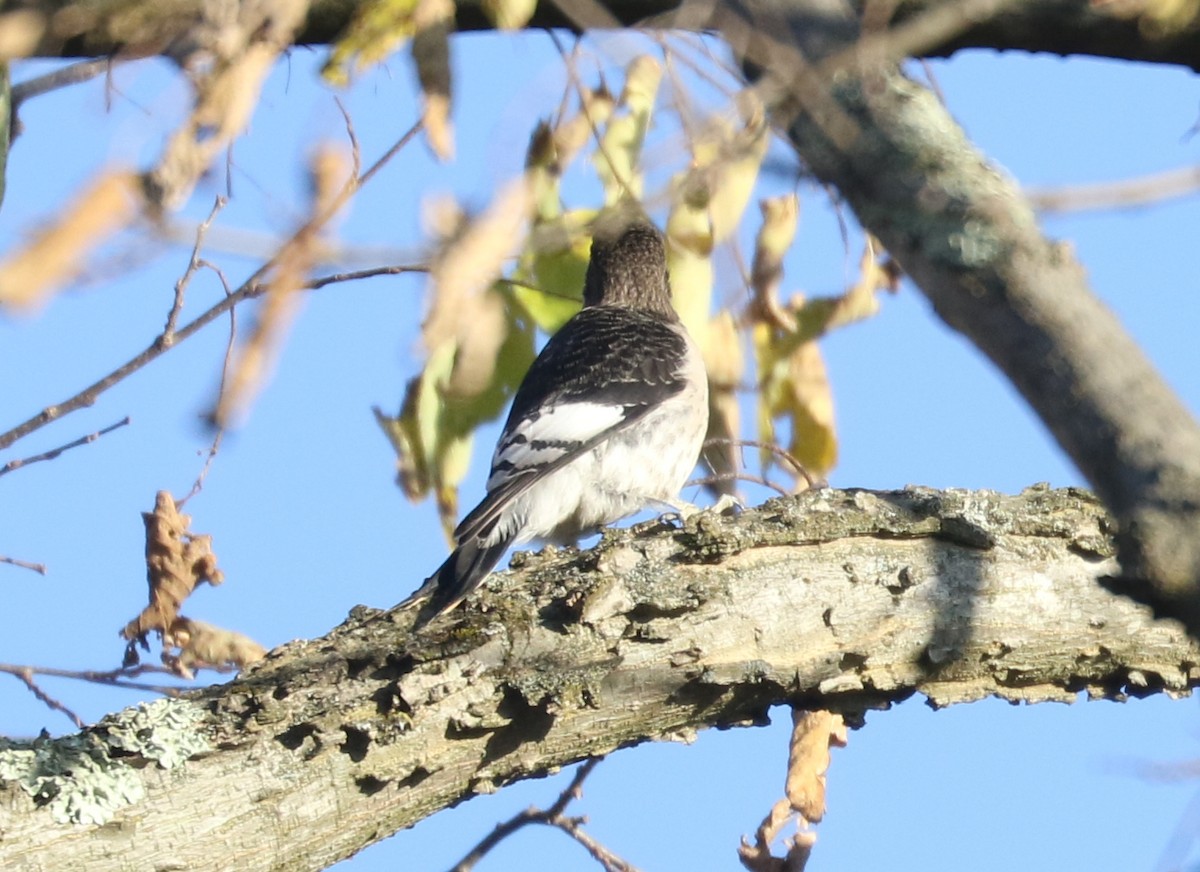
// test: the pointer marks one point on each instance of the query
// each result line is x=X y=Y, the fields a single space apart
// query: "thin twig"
x=54 y=452
x=1124 y=194
x=355 y=150
x=322 y=281
x=39 y=568
x=558 y=295
x=194 y=264
x=606 y=858
x=748 y=477
x=111 y=677
x=60 y=78
x=26 y=676
x=226 y=364
x=670 y=43
x=250 y=288
x=767 y=446
x=577 y=83
x=215 y=446
x=529 y=816
x=390 y=153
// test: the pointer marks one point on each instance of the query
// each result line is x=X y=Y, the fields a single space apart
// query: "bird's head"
x=628 y=267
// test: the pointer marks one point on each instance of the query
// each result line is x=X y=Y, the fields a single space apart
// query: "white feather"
x=564 y=425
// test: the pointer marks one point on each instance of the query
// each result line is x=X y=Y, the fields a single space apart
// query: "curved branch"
x=842 y=600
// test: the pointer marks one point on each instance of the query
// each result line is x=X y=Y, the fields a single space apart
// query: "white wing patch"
x=556 y=431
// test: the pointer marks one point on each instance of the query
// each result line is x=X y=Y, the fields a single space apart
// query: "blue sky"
x=307 y=521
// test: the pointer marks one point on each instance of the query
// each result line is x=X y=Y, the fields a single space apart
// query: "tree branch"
x=74 y=28
x=971 y=242
x=835 y=600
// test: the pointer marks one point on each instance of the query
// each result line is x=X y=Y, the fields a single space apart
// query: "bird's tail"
x=462 y=572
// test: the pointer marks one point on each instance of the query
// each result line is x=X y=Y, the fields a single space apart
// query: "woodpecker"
x=609 y=419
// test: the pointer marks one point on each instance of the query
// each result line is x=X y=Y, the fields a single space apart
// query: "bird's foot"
x=682 y=510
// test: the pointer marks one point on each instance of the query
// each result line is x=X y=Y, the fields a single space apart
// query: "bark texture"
x=833 y=599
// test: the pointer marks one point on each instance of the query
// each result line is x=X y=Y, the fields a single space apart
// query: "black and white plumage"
x=609 y=419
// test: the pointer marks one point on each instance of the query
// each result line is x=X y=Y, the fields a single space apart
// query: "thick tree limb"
x=971 y=242
x=74 y=28
x=841 y=600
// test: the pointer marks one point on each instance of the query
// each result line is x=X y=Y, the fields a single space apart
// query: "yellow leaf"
x=466 y=380
x=723 y=361
x=775 y=235
x=509 y=14
x=689 y=253
x=809 y=403
x=736 y=166
x=596 y=108
x=621 y=145
x=1160 y=19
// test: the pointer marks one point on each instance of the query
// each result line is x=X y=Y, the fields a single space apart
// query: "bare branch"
x=250 y=288
x=573 y=827
x=194 y=264
x=112 y=677
x=1124 y=194
x=373 y=727
x=39 y=568
x=72 y=74
x=55 y=452
x=313 y=284
x=1062 y=27
x=530 y=816
x=25 y=675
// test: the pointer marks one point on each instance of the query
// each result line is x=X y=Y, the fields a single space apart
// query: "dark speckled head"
x=628 y=267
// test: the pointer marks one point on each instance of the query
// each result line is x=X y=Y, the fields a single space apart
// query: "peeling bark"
x=842 y=600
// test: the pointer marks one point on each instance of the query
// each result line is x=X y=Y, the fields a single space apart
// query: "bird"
x=609 y=419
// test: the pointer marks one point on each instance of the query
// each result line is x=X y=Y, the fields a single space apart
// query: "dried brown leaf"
x=56 y=254
x=176 y=561
x=203 y=646
x=813 y=734
x=757 y=857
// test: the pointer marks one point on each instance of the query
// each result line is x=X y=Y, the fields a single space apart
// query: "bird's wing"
x=603 y=371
